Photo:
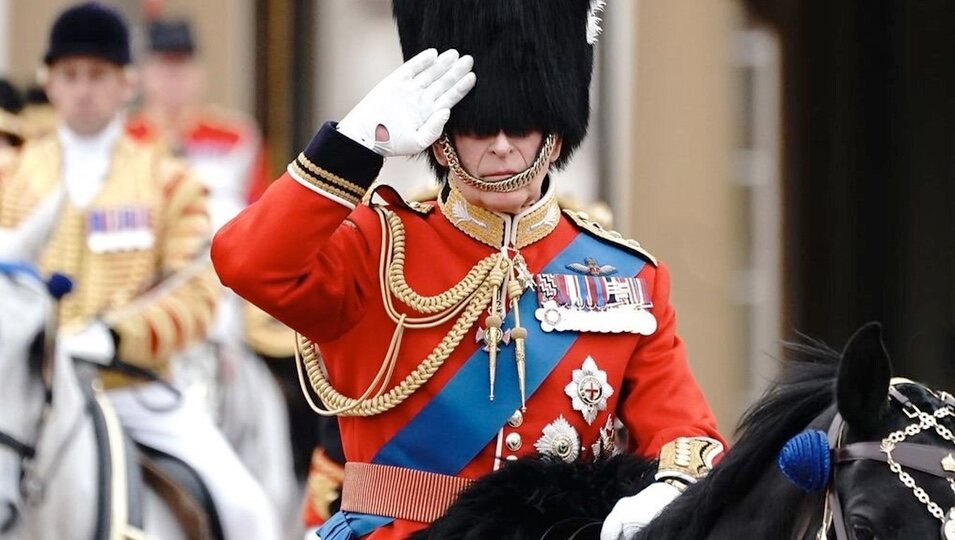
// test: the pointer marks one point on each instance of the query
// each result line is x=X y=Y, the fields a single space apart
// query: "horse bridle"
x=22 y=450
x=26 y=454
x=32 y=487
x=897 y=454
x=32 y=484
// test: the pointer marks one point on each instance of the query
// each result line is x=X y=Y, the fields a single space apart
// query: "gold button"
x=516 y=419
x=513 y=441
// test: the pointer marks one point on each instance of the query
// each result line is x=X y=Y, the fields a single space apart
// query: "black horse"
x=827 y=421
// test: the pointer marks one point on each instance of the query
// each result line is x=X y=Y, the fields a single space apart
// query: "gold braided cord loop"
x=504 y=185
x=431 y=304
x=466 y=300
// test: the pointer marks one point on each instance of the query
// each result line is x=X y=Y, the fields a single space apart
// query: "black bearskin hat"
x=171 y=36
x=532 y=59
x=89 y=29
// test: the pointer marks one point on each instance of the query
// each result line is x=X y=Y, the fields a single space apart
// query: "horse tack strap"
x=119 y=526
x=835 y=506
x=21 y=449
x=398 y=492
x=921 y=457
x=838 y=520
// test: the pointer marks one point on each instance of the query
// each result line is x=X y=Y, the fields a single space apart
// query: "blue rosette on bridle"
x=805 y=460
x=59 y=285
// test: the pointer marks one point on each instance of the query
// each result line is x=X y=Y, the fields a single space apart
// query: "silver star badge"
x=589 y=390
x=560 y=440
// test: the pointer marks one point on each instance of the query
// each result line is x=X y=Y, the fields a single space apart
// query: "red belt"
x=398 y=492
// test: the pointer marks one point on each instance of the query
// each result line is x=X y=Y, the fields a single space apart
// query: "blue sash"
x=440 y=438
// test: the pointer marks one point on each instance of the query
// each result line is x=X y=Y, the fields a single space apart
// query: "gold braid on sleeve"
x=688 y=458
x=466 y=300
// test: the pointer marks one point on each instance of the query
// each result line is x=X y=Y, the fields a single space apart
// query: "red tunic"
x=308 y=254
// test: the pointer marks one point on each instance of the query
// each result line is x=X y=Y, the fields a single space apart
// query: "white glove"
x=93 y=343
x=413 y=103
x=633 y=513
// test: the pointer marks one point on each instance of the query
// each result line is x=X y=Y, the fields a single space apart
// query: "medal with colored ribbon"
x=590 y=303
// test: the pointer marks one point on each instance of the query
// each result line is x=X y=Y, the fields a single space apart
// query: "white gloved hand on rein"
x=94 y=343
x=413 y=103
x=633 y=513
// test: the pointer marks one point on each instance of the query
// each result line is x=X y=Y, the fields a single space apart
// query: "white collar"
x=100 y=142
x=86 y=160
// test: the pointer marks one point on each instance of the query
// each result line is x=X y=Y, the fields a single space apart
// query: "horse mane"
x=803 y=391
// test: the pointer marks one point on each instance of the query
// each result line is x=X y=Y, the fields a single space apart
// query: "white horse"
x=246 y=403
x=49 y=456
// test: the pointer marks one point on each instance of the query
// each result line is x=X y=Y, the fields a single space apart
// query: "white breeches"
x=186 y=432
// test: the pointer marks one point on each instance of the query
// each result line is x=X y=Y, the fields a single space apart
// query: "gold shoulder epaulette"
x=392 y=197
x=583 y=221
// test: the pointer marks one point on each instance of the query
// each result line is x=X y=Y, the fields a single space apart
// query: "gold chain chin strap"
x=504 y=185
x=468 y=298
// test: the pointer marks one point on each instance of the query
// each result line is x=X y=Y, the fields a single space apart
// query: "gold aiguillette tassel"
x=519 y=335
x=492 y=336
x=493 y=333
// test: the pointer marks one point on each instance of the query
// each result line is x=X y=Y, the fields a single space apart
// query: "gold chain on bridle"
x=504 y=185
x=466 y=300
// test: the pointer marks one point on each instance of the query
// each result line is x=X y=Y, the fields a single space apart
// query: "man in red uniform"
x=222 y=146
x=487 y=325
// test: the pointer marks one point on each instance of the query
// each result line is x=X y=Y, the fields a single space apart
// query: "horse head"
x=836 y=448
x=891 y=450
x=25 y=305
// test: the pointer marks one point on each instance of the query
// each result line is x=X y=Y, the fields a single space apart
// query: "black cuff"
x=334 y=163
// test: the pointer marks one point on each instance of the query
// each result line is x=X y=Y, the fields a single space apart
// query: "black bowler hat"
x=89 y=29
x=533 y=60
x=171 y=36
x=11 y=103
x=10 y=98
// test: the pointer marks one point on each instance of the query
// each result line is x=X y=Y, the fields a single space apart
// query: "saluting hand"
x=411 y=105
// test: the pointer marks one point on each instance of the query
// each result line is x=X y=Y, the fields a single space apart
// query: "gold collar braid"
x=488 y=227
x=504 y=185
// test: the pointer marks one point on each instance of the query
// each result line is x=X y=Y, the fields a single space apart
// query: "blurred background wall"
x=791 y=161
x=869 y=167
